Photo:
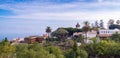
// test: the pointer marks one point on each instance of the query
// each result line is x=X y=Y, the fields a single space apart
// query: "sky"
x=31 y=17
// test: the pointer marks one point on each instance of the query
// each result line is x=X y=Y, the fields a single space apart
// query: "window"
x=101 y=31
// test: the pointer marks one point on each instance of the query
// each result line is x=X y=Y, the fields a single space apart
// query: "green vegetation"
x=76 y=52
x=72 y=30
x=60 y=33
x=86 y=28
x=114 y=26
x=6 y=50
x=115 y=37
x=103 y=49
x=79 y=38
x=59 y=45
x=55 y=51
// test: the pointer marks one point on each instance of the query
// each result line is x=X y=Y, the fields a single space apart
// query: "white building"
x=107 y=33
x=90 y=34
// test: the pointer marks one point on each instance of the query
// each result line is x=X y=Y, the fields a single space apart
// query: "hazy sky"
x=31 y=16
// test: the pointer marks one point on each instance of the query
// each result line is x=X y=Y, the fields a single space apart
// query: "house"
x=17 y=40
x=105 y=33
x=33 y=39
x=45 y=36
x=90 y=34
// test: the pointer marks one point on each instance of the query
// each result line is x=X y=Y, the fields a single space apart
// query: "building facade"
x=33 y=39
x=90 y=34
x=107 y=33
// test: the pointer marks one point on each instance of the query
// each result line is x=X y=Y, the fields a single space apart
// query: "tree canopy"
x=60 y=33
x=114 y=26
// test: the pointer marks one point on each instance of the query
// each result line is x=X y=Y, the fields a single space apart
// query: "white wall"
x=108 y=31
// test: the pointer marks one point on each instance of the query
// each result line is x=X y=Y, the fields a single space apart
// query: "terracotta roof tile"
x=104 y=35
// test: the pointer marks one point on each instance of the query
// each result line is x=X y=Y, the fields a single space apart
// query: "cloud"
x=32 y=13
x=73 y=10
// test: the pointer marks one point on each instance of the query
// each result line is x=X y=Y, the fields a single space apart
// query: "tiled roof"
x=105 y=35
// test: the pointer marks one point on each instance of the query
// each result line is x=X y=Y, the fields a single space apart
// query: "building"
x=33 y=39
x=107 y=33
x=45 y=36
x=17 y=40
x=90 y=34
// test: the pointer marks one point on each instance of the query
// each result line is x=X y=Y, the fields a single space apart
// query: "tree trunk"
x=48 y=35
x=86 y=37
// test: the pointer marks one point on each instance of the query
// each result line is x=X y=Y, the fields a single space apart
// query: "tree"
x=92 y=26
x=96 y=24
x=6 y=40
x=103 y=49
x=69 y=43
x=110 y=22
x=32 y=51
x=6 y=50
x=22 y=51
x=101 y=24
x=116 y=37
x=118 y=22
x=76 y=52
x=72 y=30
x=48 y=30
x=60 y=33
x=108 y=49
x=55 y=51
x=114 y=26
x=78 y=38
x=86 y=28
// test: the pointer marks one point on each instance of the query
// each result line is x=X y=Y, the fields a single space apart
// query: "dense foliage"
x=6 y=50
x=72 y=30
x=76 y=52
x=60 y=33
x=114 y=26
x=103 y=49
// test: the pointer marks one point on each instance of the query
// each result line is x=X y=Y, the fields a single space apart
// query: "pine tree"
x=96 y=24
x=118 y=22
x=101 y=24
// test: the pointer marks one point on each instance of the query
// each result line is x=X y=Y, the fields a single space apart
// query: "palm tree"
x=86 y=28
x=48 y=30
